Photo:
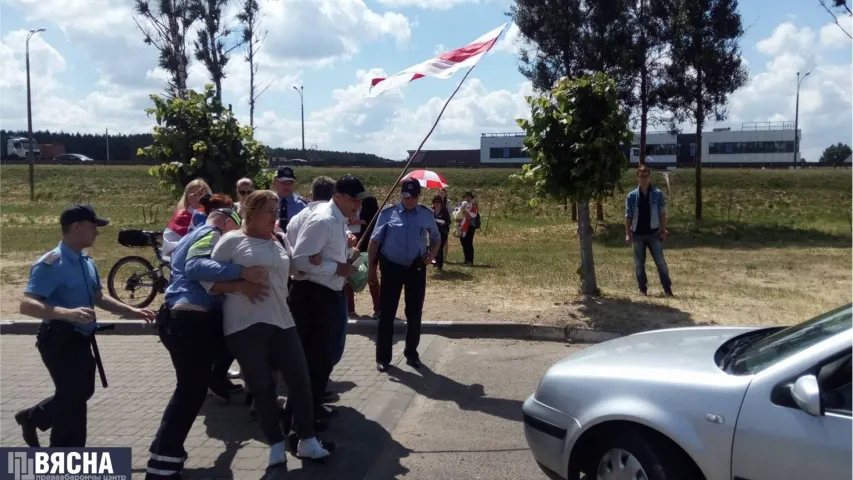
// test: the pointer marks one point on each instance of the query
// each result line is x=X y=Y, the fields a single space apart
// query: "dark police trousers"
x=315 y=308
x=395 y=277
x=193 y=342
x=67 y=354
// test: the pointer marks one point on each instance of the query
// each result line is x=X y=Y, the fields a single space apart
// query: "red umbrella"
x=428 y=179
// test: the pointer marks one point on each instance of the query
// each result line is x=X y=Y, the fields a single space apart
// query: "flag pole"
x=412 y=157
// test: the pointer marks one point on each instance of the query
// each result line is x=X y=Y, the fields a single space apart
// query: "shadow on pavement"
x=467 y=397
x=359 y=442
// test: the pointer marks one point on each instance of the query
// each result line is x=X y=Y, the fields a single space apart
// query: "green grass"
x=770 y=240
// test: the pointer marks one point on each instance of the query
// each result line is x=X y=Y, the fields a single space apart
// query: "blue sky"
x=91 y=71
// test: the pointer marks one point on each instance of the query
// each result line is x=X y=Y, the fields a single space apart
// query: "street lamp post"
x=301 y=91
x=30 y=116
x=797 y=118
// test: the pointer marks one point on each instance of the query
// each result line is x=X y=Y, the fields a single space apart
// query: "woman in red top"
x=182 y=217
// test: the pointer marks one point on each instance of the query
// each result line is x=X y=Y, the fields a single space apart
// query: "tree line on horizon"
x=125 y=147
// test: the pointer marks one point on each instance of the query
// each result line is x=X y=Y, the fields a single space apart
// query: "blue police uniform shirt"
x=294 y=203
x=198 y=219
x=403 y=233
x=66 y=279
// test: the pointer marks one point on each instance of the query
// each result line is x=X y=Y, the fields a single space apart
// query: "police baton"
x=97 y=353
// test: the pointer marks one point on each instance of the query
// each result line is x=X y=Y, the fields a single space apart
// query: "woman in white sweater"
x=262 y=335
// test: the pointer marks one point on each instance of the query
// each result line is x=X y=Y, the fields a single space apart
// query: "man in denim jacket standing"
x=645 y=228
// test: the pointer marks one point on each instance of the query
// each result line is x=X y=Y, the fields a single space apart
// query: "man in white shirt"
x=316 y=296
x=322 y=191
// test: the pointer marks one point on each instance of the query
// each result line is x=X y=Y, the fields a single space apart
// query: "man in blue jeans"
x=645 y=228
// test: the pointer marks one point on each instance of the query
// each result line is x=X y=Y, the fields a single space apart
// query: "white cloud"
x=301 y=34
x=512 y=42
x=425 y=4
x=381 y=125
x=832 y=35
x=825 y=95
x=787 y=38
x=52 y=110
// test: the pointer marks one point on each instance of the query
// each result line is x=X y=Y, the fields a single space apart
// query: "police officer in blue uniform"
x=63 y=290
x=399 y=242
x=289 y=202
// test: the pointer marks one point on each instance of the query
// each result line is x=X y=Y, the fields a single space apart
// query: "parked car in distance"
x=72 y=157
x=712 y=403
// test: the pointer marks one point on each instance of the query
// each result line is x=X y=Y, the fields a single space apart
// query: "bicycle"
x=146 y=278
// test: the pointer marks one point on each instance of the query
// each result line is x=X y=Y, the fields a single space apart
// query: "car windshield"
x=774 y=348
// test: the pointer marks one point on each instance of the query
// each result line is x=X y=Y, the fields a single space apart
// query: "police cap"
x=411 y=188
x=81 y=213
x=285 y=174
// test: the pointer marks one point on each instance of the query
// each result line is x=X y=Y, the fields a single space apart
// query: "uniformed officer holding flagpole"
x=399 y=242
x=63 y=289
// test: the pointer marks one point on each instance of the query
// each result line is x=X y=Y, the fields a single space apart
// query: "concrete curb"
x=504 y=330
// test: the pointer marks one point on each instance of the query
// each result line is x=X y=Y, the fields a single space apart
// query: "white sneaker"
x=311 y=448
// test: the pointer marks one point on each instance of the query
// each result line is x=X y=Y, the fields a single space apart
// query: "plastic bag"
x=358 y=280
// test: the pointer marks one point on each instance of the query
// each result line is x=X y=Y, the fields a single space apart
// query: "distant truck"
x=20 y=148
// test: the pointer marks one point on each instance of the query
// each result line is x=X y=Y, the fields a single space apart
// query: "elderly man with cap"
x=289 y=202
x=317 y=295
x=63 y=290
x=399 y=241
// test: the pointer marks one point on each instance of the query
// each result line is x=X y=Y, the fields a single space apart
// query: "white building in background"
x=756 y=143
x=502 y=148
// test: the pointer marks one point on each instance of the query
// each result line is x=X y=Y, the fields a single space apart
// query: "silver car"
x=709 y=403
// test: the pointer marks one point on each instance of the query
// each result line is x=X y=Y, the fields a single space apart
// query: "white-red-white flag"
x=442 y=66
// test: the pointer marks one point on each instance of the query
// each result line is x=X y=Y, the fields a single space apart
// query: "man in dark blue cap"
x=63 y=290
x=399 y=242
x=289 y=202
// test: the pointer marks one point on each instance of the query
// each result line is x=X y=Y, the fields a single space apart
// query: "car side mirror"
x=806 y=394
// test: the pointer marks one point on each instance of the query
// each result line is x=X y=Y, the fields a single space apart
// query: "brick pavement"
x=224 y=441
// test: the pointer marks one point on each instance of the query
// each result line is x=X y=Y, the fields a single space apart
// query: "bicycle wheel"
x=139 y=282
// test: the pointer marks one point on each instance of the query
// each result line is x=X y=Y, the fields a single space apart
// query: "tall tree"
x=705 y=67
x=166 y=28
x=574 y=136
x=250 y=19
x=571 y=38
x=835 y=154
x=645 y=59
x=210 y=46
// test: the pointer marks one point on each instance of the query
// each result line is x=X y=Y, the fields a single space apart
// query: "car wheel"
x=637 y=455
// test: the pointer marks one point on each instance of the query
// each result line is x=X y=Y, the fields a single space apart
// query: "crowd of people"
x=265 y=281
x=262 y=280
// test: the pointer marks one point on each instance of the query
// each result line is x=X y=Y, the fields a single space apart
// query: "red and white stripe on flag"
x=442 y=66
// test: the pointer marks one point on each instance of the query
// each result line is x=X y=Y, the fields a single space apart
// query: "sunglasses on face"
x=244 y=192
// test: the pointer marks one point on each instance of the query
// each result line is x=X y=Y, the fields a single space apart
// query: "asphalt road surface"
x=465 y=421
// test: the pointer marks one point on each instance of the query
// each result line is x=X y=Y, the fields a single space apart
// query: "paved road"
x=465 y=421
x=224 y=442
x=459 y=417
